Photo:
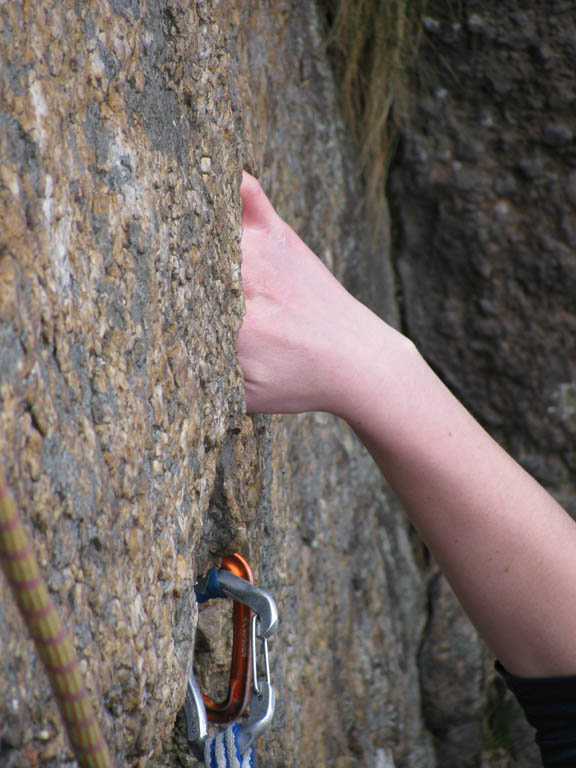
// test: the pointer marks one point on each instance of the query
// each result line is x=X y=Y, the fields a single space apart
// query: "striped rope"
x=223 y=750
x=53 y=642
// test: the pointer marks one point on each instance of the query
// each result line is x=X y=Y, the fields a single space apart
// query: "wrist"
x=368 y=366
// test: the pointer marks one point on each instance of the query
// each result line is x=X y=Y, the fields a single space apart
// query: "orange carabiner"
x=235 y=703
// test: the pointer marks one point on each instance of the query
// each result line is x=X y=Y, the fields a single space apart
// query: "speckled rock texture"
x=124 y=126
x=120 y=303
x=483 y=195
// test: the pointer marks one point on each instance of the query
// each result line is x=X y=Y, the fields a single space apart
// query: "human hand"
x=299 y=342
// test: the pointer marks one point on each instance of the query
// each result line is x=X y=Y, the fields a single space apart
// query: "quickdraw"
x=255 y=618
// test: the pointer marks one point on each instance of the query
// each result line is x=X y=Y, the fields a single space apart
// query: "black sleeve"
x=549 y=704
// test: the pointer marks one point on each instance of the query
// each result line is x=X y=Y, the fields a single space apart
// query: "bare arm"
x=507 y=548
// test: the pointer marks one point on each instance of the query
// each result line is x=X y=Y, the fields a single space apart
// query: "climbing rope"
x=53 y=642
x=223 y=750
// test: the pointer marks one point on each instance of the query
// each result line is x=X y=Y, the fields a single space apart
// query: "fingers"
x=257 y=211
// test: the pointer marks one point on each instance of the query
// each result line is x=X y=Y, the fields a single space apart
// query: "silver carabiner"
x=261 y=713
x=260 y=601
x=263 y=696
x=195 y=716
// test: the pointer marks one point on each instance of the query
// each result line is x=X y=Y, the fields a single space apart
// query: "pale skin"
x=507 y=548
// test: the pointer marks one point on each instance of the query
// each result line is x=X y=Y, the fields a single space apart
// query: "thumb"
x=257 y=211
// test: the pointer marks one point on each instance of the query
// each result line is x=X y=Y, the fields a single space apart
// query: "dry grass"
x=371 y=43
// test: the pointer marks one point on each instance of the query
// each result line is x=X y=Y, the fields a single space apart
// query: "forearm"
x=507 y=548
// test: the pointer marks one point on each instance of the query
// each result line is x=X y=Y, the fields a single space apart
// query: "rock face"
x=124 y=127
x=120 y=304
x=483 y=196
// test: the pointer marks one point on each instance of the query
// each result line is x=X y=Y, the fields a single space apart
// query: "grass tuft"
x=370 y=44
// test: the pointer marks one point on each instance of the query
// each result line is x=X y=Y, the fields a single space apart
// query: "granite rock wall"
x=482 y=194
x=124 y=126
